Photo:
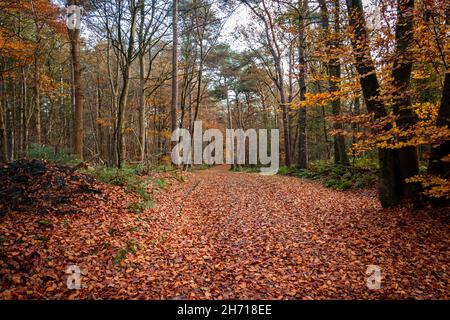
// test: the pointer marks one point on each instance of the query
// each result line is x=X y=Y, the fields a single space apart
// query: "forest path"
x=226 y=235
x=249 y=236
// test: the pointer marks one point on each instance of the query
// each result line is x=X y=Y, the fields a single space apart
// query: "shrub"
x=130 y=178
x=334 y=176
x=47 y=153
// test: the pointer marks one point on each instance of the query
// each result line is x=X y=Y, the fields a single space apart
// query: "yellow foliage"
x=433 y=186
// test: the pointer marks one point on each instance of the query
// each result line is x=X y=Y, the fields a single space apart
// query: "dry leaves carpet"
x=225 y=235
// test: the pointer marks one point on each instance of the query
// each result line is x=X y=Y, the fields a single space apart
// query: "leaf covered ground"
x=226 y=235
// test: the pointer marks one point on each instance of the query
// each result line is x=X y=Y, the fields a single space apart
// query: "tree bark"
x=437 y=165
x=74 y=36
x=142 y=133
x=173 y=109
x=408 y=163
x=389 y=182
x=3 y=131
x=302 y=142
x=334 y=72
x=37 y=100
x=123 y=99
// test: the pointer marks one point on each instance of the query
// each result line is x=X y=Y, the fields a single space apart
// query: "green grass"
x=120 y=255
x=335 y=176
x=131 y=247
x=198 y=167
x=44 y=222
x=246 y=168
x=131 y=179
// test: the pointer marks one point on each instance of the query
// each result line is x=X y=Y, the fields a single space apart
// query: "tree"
x=265 y=16
x=395 y=165
x=334 y=72
x=173 y=110
x=74 y=36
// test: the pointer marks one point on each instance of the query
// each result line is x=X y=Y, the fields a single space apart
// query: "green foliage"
x=287 y=170
x=366 y=162
x=139 y=207
x=162 y=168
x=247 y=168
x=160 y=182
x=44 y=222
x=333 y=176
x=131 y=179
x=202 y=166
x=132 y=247
x=120 y=255
x=37 y=151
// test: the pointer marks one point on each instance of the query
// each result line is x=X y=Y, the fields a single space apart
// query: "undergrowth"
x=335 y=176
x=132 y=180
x=49 y=154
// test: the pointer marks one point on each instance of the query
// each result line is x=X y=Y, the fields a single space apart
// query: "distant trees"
x=346 y=83
x=271 y=42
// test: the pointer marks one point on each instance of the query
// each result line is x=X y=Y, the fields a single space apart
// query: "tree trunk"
x=99 y=117
x=142 y=134
x=120 y=134
x=287 y=149
x=74 y=36
x=123 y=99
x=229 y=115
x=407 y=157
x=302 y=142
x=3 y=131
x=173 y=109
x=437 y=165
x=334 y=72
x=37 y=100
x=389 y=182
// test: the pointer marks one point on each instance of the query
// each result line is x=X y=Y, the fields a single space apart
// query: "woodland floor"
x=229 y=235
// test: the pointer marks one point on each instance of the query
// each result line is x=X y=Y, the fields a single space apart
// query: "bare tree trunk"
x=99 y=117
x=120 y=134
x=74 y=36
x=37 y=102
x=229 y=115
x=173 y=109
x=287 y=148
x=334 y=72
x=142 y=134
x=24 y=114
x=123 y=98
x=278 y=80
x=302 y=142
x=3 y=131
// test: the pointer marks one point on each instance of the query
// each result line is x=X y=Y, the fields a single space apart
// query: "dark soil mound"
x=42 y=187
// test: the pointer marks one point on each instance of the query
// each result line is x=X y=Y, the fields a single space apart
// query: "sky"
x=241 y=18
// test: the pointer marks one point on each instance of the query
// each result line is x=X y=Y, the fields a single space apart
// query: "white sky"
x=241 y=17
